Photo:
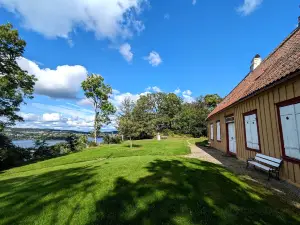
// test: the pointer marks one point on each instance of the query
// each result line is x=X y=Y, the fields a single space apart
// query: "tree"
x=192 y=118
x=212 y=100
x=126 y=122
x=98 y=92
x=144 y=115
x=169 y=108
x=15 y=84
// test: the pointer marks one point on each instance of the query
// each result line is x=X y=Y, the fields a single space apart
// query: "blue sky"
x=191 y=47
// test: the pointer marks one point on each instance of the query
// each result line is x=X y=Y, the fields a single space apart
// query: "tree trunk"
x=130 y=142
x=95 y=128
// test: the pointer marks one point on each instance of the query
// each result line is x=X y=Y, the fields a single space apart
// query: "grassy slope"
x=151 y=187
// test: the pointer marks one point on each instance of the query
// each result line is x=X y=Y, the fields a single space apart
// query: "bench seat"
x=267 y=163
x=260 y=165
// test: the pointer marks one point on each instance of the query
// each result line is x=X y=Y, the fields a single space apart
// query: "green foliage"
x=166 y=114
x=76 y=143
x=112 y=139
x=60 y=149
x=15 y=84
x=211 y=101
x=92 y=144
x=42 y=150
x=192 y=119
x=11 y=155
x=40 y=143
x=126 y=124
x=98 y=92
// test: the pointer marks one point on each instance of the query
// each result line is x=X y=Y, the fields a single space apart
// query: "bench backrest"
x=271 y=161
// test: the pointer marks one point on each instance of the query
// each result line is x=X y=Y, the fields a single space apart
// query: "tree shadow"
x=255 y=175
x=184 y=191
x=197 y=193
x=29 y=196
x=133 y=146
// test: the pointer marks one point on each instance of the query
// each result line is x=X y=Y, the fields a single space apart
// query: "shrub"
x=112 y=139
x=11 y=155
x=92 y=144
x=76 y=143
x=60 y=149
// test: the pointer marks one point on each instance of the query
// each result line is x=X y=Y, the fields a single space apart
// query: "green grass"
x=145 y=185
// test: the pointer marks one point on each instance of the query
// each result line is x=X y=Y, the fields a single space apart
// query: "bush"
x=76 y=143
x=112 y=139
x=60 y=149
x=92 y=144
x=11 y=155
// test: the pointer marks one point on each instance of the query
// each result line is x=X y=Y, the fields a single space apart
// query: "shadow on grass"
x=133 y=146
x=201 y=193
x=171 y=192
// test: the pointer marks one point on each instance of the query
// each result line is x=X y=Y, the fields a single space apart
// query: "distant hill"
x=15 y=133
x=33 y=130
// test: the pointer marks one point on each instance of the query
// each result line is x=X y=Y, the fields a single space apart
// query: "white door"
x=231 y=138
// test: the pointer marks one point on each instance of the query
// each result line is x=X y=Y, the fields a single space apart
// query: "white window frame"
x=251 y=130
x=218 y=130
x=212 y=131
x=291 y=110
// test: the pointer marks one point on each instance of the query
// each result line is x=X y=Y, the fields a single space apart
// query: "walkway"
x=282 y=188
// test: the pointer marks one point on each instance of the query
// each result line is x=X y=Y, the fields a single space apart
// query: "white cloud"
x=85 y=102
x=249 y=6
x=155 y=89
x=167 y=16
x=73 y=112
x=125 y=51
x=187 y=96
x=59 y=18
x=177 y=91
x=153 y=58
x=71 y=43
x=194 y=2
x=187 y=92
x=29 y=116
x=62 y=82
x=117 y=99
x=51 y=117
x=114 y=91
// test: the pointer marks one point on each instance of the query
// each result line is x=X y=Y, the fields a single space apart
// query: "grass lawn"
x=148 y=184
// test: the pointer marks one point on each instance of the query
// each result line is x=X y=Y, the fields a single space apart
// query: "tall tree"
x=98 y=92
x=212 y=100
x=144 y=115
x=126 y=122
x=15 y=84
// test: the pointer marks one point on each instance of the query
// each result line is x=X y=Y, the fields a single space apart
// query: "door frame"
x=227 y=138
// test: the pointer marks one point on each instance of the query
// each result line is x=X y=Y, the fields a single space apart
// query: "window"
x=218 y=131
x=251 y=131
x=290 y=130
x=211 y=131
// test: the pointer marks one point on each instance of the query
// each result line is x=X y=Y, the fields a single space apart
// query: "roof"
x=281 y=63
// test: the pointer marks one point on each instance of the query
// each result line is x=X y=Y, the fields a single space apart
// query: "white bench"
x=267 y=163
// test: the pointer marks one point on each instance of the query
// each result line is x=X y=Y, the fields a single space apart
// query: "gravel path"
x=285 y=190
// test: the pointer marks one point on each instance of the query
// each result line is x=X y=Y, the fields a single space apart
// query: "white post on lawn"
x=158 y=136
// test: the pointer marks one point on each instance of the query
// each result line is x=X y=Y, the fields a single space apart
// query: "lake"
x=30 y=143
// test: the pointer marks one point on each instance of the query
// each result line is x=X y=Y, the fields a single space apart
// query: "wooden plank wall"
x=270 y=142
